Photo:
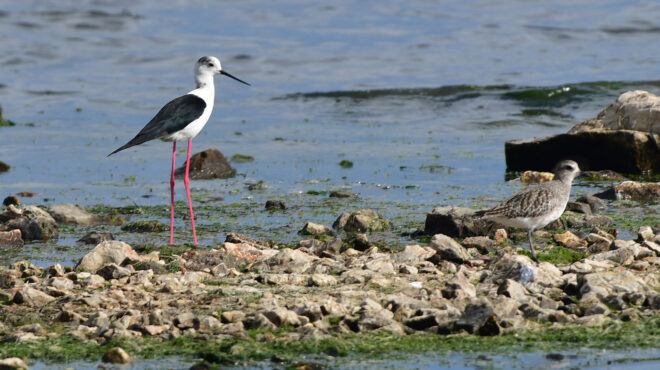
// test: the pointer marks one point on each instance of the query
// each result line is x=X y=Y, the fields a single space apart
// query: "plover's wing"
x=173 y=117
x=532 y=202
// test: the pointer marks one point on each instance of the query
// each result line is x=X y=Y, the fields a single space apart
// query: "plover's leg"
x=172 y=191
x=531 y=245
x=186 y=182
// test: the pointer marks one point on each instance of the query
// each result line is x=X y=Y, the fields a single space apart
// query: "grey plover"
x=182 y=119
x=538 y=205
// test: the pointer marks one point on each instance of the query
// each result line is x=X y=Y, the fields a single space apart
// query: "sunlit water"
x=416 y=94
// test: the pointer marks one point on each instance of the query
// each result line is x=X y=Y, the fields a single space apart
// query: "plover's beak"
x=235 y=78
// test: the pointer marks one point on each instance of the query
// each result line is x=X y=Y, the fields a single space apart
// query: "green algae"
x=345 y=163
x=557 y=255
x=5 y=122
x=643 y=333
x=149 y=226
x=632 y=221
x=241 y=158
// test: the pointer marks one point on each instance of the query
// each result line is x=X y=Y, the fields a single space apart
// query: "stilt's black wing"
x=173 y=117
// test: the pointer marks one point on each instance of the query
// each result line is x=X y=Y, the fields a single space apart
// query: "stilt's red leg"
x=186 y=181
x=172 y=191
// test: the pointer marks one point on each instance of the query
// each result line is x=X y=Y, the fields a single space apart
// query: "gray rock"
x=34 y=223
x=54 y=270
x=75 y=214
x=595 y=204
x=578 y=207
x=184 y=320
x=330 y=307
x=360 y=242
x=99 y=319
x=209 y=164
x=91 y=281
x=604 y=284
x=12 y=363
x=116 y=355
x=113 y=271
x=341 y=221
x=61 y=283
x=413 y=254
x=35 y=328
x=105 y=253
x=154 y=329
x=478 y=318
x=653 y=301
x=69 y=316
x=623 y=138
x=32 y=297
x=408 y=270
x=459 y=286
x=598 y=220
x=275 y=205
x=632 y=190
x=653 y=246
x=290 y=260
x=342 y=194
x=232 y=316
x=282 y=316
x=633 y=110
x=382 y=265
x=311 y=310
x=625 y=253
x=237 y=238
x=483 y=244
x=362 y=220
x=622 y=150
x=423 y=322
x=11 y=239
x=206 y=323
x=322 y=280
x=505 y=307
x=95 y=238
x=311 y=228
x=645 y=233
x=373 y=316
x=533 y=312
x=452 y=221
x=591 y=305
x=329 y=248
x=448 y=249
x=513 y=289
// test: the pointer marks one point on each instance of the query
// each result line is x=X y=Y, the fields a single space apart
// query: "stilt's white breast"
x=207 y=93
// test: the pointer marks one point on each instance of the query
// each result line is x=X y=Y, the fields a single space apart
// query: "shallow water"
x=580 y=358
x=419 y=96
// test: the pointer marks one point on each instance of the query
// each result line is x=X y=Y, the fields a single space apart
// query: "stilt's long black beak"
x=235 y=78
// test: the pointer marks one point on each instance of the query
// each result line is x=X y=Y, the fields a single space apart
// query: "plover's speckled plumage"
x=538 y=205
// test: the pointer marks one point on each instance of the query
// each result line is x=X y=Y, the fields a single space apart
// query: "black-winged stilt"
x=182 y=119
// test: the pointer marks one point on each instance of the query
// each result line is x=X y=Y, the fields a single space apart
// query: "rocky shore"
x=623 y=137
x=325 y=286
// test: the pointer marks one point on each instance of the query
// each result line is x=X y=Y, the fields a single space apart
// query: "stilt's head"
x=209 y=66
x=565 y=171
